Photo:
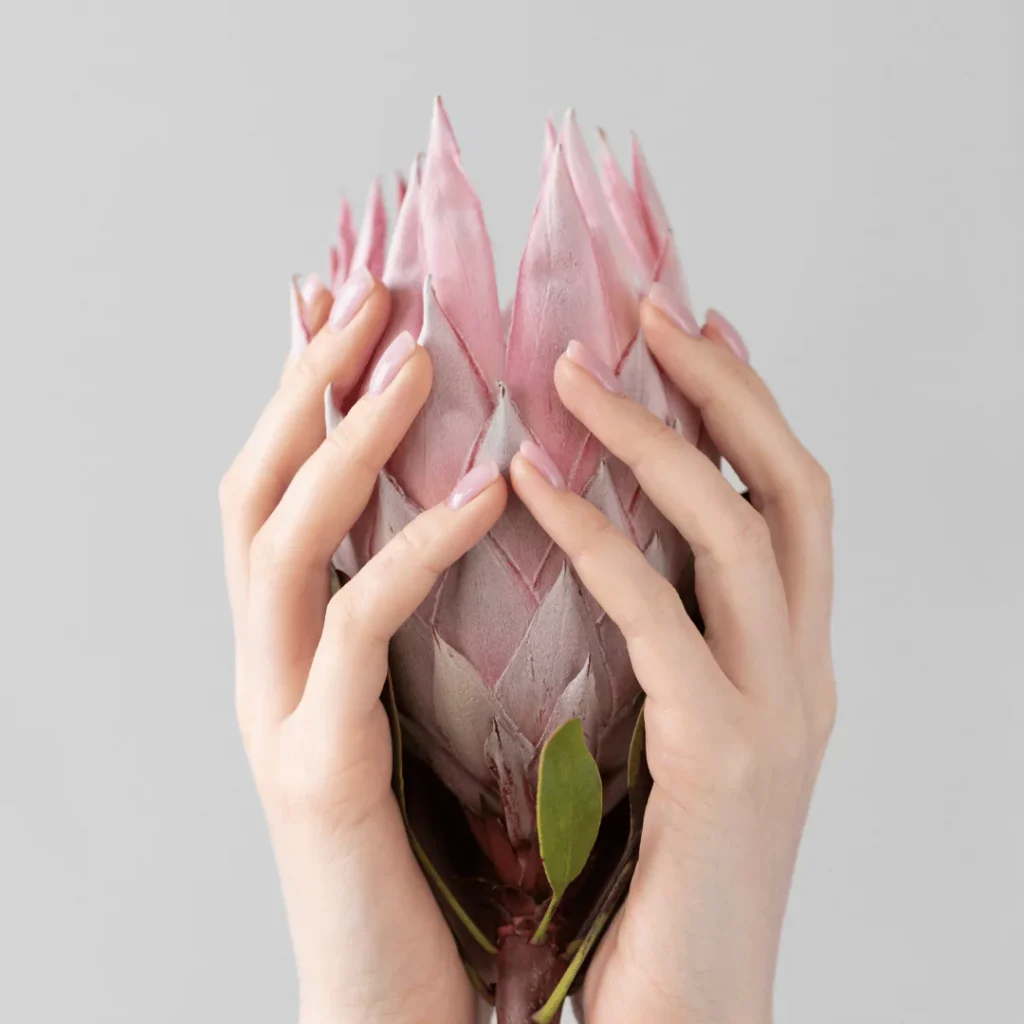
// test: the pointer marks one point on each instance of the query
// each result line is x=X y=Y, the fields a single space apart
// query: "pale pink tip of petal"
x=550 y=142
x=400 y=189
x=441 y=131
x=371 y=246
x=473 y=484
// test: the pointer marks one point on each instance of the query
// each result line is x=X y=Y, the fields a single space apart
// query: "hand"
x=370 y=942
x=736 y=720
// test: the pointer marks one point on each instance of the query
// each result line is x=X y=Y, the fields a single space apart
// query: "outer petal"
x=608 y=246
x=406 y=267
x=373 y=234
x=559 y=297
x=554 y=650
x=550 y=141
x=341 y=254
x=578 y=700
x=484 y=609
x=516 y=533
x=626 y=210
x=458 y=251
x=437 y=448
x=510 y=756
x=668 y=270
x=401 y=187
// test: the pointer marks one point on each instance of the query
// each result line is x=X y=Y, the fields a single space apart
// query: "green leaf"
x=636 y=750
x=569 y=799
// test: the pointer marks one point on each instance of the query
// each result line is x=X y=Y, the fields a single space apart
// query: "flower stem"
x=542 y=929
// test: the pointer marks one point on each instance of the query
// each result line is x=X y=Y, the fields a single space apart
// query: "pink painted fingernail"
x=542 y=462
x=478 y=479
x=725 y=330
x=600 y=371
x=311 y=288
x=675 y=310
x=392 y=360
x=352 y=294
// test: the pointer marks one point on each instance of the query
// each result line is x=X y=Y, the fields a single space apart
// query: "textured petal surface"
x=371 y=245
x=554 y=650
x=559 y=297
x=625 y=209
x=608 y=245
x=509 y=757
x=406 y=267
x=344 y=246
x=668 y=270
x=458 y=250
x=484 y=609
x=436 y=450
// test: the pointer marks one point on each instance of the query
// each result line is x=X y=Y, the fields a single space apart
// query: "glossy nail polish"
x=725 y=330
x=392 y=360
x=675 y=310
x=351 y=296
x=600 y=371
x=478 y=479
x=542 y=462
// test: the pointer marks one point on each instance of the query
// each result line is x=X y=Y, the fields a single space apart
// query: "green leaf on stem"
x=569 y=803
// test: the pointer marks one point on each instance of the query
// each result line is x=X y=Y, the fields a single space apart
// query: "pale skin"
x=737 y=719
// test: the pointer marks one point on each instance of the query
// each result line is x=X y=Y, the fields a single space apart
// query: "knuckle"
x=652 y=447
x=271 y=554
x=746 y=537
x=349 y=447
x=599 y=536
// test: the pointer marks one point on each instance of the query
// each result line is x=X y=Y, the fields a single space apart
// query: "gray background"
x=846 y=180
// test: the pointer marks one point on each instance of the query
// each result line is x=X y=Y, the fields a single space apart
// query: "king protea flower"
x=509 y=646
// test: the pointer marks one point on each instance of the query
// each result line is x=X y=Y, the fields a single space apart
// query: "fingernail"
x=392 y=360
x=542 y=462
x=352 y=294
x=675 y=310
x=725 y=330
x=478 y=479
x=600 y=371
x=310 y=287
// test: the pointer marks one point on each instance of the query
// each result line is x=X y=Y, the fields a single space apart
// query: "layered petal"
x=344 y=246
x=560 y=296
x=668 y=270
x=458 y=251
x=625 y=207
x=406 y=266
x=608 y=245
x=371 y=245
x=550 y=141
x=436 y=450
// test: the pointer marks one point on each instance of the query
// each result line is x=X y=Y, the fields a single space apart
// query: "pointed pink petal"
x=625 y=209
x=297 y=319
x=668 y=269
x=400 y=189
x=550 y=141
x=344 y=247
x=373 y=234
x=516 y=533
x=559 y=297
x=406 y=267
x=509 y=758
x=577 y=700
x=484 y=609
x=437 y=448
x=458 y=251
x=555 y=648
x=334 y=267
x=608 y=246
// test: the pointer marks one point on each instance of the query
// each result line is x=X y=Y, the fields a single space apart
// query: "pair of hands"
x=737 y=719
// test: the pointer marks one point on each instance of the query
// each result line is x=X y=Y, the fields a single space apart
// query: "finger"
x=289 y=584
x=787 y=485
x=638 y=599
x=292 y=425
x=351 y=661
x=738 y=585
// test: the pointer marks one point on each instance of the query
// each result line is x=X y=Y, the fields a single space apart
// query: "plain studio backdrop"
x=847 y=183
